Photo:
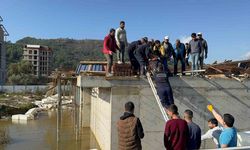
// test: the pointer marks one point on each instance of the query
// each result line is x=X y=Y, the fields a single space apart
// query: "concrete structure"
x=40 y=57
x=3 y=33
x=102 y=103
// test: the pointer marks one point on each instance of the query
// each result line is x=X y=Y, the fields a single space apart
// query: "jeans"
x=165 y=64
x=195 y=60
x=182 y=59
x=120 y=53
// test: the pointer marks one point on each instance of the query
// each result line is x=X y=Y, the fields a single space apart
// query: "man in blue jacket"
x=179 y=52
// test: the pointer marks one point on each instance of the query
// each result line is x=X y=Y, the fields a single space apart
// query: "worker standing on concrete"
x=187 y=53
x=121 y=41
x=228 y=136
x=142 y=56
x=213 y=132
x=195 y=49
x=134 y=63
x=109 y=48
x=204 y=49
x=130 y=130
x=179 y=52
x=176 y=131
x=167 y=52
x=163 y=87
x=194 y=141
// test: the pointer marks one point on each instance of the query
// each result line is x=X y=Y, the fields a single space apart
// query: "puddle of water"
x=41 y=134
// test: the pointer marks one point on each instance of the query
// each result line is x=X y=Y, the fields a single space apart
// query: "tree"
x=21 y=73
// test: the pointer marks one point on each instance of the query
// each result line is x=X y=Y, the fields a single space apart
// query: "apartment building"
x=40 y=57
x=3 y=34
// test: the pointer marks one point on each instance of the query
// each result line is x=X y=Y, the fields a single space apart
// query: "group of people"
x=179 y=134
x=142 y=51
x=153 y=56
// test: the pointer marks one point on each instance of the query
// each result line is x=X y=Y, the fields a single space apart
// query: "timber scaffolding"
x=238 y=70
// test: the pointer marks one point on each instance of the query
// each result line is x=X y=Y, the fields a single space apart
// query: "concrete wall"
x=107 y=105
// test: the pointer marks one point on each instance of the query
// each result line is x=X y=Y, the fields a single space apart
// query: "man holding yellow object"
x=228 y=137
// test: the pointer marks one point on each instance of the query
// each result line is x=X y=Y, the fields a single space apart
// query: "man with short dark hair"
x=134 y=63
x=141 y=55
x=204 y=49
x=228 y=136
x=195 y=49
x=213 y=132
x=109 y=47
x=194 y=141
x=179 y=52
x=121 y=41
x=130 y=130
x=176 y=131
x=163 y=87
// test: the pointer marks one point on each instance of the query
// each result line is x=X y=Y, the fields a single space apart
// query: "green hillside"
x=66 y=52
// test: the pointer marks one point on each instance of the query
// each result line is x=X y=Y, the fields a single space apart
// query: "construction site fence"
x=23 y=88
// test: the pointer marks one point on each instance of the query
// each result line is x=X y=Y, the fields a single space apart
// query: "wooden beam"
x=93 y=62
x=216 y=69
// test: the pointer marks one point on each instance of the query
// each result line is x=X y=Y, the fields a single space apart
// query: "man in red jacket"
x=109 y=47
x=176 y=131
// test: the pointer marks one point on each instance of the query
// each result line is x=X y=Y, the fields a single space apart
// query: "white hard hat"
x=166 y=37
x=199 y=33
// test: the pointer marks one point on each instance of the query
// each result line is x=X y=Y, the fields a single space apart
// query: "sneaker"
x=109 y=75
x=119 y=62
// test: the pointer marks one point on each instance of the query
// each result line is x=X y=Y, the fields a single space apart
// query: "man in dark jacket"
x=134 y=63
x=141 y=55
x=163 y=87
x=194 y=141
x=130 y=130
x=179 y=52
x=204 y=49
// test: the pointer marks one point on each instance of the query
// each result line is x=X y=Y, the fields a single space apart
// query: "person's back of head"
x=172 y=110
x=228 y=120
x=129 y=107
x=188 y=115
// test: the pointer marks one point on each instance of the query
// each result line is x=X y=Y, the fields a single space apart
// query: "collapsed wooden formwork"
x=238 y=70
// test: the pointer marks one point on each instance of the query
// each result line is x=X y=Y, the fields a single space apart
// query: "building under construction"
x=40 y=57
x=101 y=100
x=3 y=34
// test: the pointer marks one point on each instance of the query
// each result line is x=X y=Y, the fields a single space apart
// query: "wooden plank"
x=122 y=78
x=193 y=71
x=93 y=73
x=216 y=69
x=93 y=62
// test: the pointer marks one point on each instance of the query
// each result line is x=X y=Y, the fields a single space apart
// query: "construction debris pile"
x=238 y=70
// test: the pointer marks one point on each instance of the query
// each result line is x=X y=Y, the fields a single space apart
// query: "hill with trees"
x=66 y=52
